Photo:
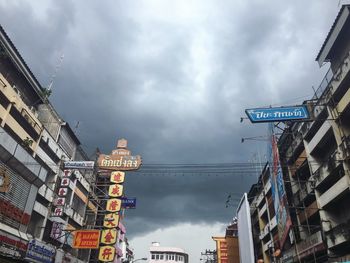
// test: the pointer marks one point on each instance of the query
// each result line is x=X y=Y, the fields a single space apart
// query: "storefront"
x=12 y=248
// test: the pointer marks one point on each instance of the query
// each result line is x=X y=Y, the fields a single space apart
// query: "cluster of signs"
x=114 y=166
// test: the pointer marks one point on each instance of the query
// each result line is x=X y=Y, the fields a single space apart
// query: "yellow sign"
x=119 y=162
x=106 y=253
x=109 y=236
x=117 y=177
x=113 y=205
x=111 y=220
x=115 y=190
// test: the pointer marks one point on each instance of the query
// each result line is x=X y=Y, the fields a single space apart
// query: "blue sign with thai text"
x=128 y=202
x=293 y=113
x=40 y=252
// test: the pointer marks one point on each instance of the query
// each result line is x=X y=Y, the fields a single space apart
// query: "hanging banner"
x=106 y=253
x=109 y=236
x=111 y=220
x=294 y=113
x=115 y=190
x=86 y=239
x=279 y=196
x=113 y=205
x=117 y=177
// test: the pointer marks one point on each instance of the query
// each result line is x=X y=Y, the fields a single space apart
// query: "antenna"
x=76 y=127
x=58 y=66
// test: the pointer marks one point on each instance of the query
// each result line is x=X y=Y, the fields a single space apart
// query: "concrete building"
x=264 y=225
x=314 y=157
x=160 y=254
x=34 y=143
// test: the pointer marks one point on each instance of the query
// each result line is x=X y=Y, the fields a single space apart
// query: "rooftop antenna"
x=58 y=66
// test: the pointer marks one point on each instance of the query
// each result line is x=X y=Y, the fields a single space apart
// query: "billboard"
x=246 y=246
x=293 y=113
x=279 y=196
x=86 y=239
x=89 y=165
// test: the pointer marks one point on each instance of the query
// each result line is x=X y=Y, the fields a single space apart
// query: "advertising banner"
x=86 y=239
x=245 y=233
x=279 y=196
x=276 y=114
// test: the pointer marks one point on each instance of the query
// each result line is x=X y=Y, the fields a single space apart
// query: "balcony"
x=263 y=210
x=313 y=243
x=46 y=192
x=20 y=160
x=308 y=212
x=322 y=174
x=320 y=134
x=260 y=198
x=339 y=188
x=273 y=223
x=41 y=209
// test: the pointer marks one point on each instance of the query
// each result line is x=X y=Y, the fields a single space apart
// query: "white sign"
x=62 y=192
x=246 y=246
x=60 y=201
x=67 y=173
x=58 y=211
x=89 y=165
x=65 y=182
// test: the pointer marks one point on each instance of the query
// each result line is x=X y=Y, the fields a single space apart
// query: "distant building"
x=160 y=254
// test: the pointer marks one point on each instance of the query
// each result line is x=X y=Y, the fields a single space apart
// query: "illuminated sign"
x=293 y=113
x=106 y=253
x=109 y=236
x=111 y=220
x=115 y=190
x=117 y=177
x=113 y=205
x=119 y=162
x=86 y=239
x=88 y=165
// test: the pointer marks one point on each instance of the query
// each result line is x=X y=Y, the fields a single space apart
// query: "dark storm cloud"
x=174 y=78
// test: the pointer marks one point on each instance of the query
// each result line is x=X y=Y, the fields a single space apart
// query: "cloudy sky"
x=174 y=78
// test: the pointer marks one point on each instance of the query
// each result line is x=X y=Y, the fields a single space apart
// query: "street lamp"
x=138 y=259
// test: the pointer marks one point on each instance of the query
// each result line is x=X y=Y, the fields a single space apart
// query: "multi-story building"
x=160 y=254
x=264 y=225
x=314 y=157
x=34 y=143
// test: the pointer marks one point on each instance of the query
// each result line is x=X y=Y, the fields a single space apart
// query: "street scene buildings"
x=58 y=204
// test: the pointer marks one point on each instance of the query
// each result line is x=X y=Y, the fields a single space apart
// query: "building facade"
x=314 y=157
x=34 y=144
x=160 y=254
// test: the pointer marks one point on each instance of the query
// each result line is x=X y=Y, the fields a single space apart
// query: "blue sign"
x=128 y=202
x=293 y=113
x=40 y=252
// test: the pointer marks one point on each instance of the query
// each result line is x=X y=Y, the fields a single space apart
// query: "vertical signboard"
x=279 y=196
x=113 y=166
x=246 y=246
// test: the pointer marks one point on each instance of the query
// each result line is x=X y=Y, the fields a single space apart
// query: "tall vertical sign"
x=115 y=165
x=279 y=196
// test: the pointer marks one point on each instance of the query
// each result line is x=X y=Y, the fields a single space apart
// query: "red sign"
x=86 y=239
x=9 y=210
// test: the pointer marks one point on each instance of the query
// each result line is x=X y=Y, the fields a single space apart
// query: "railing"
x=324 y=84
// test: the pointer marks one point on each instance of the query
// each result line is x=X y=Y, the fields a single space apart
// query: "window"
x=157 y=257
x=153 y=256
